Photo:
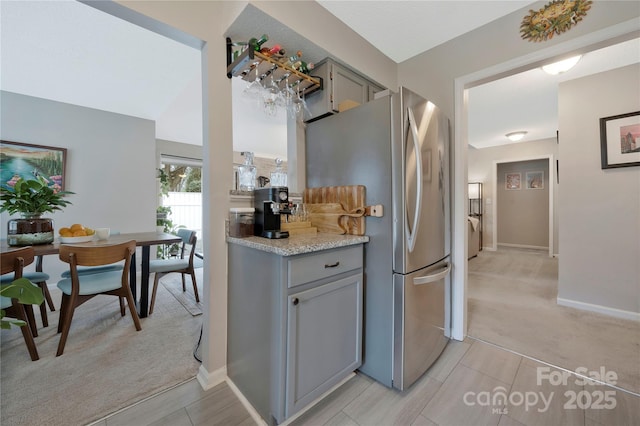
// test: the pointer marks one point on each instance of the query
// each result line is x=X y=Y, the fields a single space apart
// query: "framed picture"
x=620 y=140
x=27 y=161
x=534 y=180
x=512 y=180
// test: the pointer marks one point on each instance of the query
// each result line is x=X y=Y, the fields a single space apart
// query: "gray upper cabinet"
x=340 y=84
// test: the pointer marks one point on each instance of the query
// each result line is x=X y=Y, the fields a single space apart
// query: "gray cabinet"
x=323 y=338
x=294 y=325
x=340 y=84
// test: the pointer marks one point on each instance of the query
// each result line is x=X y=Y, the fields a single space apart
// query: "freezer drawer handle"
x=333 y=265
x=431 y=278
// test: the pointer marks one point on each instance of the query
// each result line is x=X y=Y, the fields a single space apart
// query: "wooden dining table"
x=142 y=239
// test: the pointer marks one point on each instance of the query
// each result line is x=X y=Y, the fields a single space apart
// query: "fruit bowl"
x=71 y=240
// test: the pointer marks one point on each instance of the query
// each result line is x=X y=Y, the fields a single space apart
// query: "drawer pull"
x=332 y=265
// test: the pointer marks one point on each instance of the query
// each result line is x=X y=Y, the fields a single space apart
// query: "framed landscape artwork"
x=512 y=180
x=534 y=180
x=620 y=140
x=27 y=161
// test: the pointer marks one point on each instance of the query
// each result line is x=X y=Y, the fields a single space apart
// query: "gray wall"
x=481 y=169
x=110 y=163
x=599 y=209
x=523 y=215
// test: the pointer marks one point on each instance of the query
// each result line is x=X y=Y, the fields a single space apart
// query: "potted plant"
x=31 y=198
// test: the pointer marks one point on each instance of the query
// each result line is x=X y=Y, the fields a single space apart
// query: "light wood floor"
x=464 y=387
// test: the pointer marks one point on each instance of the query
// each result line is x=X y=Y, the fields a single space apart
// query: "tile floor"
x=473 y=383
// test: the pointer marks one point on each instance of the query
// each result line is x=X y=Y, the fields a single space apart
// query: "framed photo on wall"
x=27 y=161
x=512 y=181
x=534 y=180
x=620 y=140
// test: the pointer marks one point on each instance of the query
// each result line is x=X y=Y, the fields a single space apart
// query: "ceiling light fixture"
x=516 y=136
x=561 y=66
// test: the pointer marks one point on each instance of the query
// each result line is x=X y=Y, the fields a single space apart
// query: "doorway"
x=462 y=85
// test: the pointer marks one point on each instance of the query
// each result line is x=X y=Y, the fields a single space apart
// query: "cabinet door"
x=347 y=85
x=324 y=339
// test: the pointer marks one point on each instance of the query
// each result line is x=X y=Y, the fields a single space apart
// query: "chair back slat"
x=95 y=255
x=188 y=237
x=15 y=260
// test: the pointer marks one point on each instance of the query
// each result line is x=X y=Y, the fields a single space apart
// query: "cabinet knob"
x=295 y=301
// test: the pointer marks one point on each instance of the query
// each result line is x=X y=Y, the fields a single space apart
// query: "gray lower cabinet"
x=323 y=338
x=294 y=325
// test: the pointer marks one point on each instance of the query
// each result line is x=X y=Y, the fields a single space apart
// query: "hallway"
x=512 y=303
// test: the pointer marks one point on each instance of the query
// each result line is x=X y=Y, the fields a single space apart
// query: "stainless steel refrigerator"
x=398 y=147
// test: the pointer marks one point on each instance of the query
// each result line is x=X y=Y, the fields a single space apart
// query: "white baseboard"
x=208 y=380
x=245 y=402
x=489 y=249
x=260 y=421
x=524 y=246
x=613 y=312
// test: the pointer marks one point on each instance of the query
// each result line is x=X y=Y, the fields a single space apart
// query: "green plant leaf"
x=24 y=290
x=7 y=322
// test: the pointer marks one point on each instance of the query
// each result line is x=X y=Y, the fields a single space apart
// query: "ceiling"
x=70 y=52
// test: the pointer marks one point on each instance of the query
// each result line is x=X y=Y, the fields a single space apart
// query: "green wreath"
x=556 y=17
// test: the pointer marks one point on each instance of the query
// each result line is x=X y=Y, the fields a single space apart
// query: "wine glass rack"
x=245 y=64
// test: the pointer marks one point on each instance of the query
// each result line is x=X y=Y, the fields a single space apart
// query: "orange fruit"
x=89 y=231
x=66 y=233
x=77 y=227
x=79 y=233
x=63 y=231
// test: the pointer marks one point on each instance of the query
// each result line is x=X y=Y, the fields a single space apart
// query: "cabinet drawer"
x=323 y=264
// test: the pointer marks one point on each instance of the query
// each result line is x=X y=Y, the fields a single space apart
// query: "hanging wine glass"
x=302 y=111
x=254 y=88
x=286 y=95
x=270 y=96
x=294 y=107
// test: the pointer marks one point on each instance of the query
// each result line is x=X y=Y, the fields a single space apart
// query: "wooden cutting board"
x=336 y=209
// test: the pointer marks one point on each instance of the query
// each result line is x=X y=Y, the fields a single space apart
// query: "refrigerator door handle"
x=412 y=233
x=431 y=278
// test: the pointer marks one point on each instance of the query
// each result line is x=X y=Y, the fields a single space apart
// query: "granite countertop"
x=299 y=244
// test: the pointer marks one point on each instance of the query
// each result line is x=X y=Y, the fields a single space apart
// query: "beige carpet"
x=106 y=365
x=512 y=303
x=173 y=284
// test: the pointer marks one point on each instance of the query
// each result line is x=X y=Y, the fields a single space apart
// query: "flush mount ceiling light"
x=561 y=66
x=516 y=136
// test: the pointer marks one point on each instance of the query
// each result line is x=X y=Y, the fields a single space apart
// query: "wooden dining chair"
x=13 y=262
x=78 y=289
x=183 y=265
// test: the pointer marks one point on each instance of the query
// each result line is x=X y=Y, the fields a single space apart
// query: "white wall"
x=253 y=130
x=599 y=209
x=110 y=163
x=481 y=165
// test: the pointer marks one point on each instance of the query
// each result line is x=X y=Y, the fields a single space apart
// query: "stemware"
x=254 y=88
x=270 y=95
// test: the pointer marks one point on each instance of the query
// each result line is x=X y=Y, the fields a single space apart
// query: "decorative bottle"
x=257 y=43
x=247 y=173
x=278 y=176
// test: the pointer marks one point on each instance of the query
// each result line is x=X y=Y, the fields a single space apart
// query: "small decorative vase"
x=31 y=229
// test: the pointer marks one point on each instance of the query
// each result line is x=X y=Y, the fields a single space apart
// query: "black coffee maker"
x=270 y=203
